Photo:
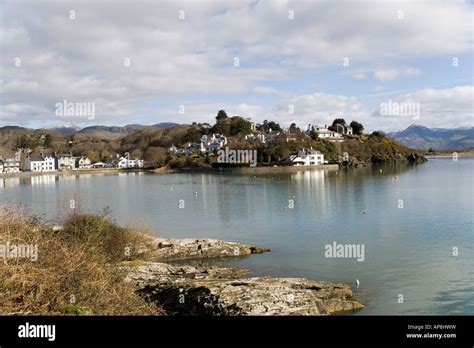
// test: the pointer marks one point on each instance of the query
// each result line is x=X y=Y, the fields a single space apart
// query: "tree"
x=357 y=128
x=47 y=140
x=378 y=134
x=137 y=154
x=221 y=115
x=105 y=155
x=267 y=125
x=155 y=156
x=274 y=126
x=222 y=125
x=337 y=121
x=239 y=125
x=193 y=135
x=94 y=156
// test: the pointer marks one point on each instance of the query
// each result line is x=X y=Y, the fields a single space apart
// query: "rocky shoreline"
x=190 y=290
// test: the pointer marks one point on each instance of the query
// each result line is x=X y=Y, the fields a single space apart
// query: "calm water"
x=408 y=250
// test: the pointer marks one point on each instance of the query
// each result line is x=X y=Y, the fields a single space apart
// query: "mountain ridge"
x=421 y=137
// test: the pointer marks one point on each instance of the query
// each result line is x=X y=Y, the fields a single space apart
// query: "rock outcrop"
x=187 y=290
x=160 y=249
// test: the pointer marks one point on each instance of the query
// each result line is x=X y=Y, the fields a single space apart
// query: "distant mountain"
x=106 y=132
x=65 y=129
x=420 y=137
x=116 y=132
x=7 y=128
x=165 y=125
x=158 y=125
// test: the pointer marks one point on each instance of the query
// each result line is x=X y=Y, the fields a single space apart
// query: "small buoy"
x=195 y=193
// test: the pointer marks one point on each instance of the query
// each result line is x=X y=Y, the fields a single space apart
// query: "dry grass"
x=77 y=271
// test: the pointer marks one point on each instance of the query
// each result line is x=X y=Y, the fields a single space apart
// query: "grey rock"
x=160 y=249
x=187 y=290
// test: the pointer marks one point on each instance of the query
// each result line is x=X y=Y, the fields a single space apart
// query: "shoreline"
x=234 y=170
x=167 y=170
x=212 y=290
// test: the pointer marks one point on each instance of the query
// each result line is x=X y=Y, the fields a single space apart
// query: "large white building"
x=324 y=132
x=308 y=158
x=66 y=162
x=41 y=164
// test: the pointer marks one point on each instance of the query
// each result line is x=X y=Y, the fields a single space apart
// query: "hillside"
x=152 y=143
x=420 y=137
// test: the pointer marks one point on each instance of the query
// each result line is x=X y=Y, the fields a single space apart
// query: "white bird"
x=358 y=283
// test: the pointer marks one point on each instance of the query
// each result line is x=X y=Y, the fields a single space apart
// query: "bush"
x=74 y=274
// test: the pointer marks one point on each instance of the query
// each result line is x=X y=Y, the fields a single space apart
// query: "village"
x=25 y=160
x=304 y=157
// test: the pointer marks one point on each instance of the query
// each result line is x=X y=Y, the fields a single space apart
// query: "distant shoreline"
x=70 y=172
x=237 y=170
x=167 y=170
x=255 y=170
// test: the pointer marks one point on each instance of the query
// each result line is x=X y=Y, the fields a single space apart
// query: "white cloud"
x=359 y=76
x=82 y=59
x=443 y=108
x=384 y=75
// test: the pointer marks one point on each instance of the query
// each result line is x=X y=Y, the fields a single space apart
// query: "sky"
x=306 y=62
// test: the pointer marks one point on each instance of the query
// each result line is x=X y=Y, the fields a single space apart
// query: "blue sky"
x=398 y=51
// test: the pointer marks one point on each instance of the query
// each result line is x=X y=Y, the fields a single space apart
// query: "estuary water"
x=415 y=224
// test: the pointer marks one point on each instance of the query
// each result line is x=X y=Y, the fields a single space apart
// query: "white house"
x=136 y=163
x=173 y=149
x=325 y=133
x=49 y=164
x=216 y=142
x=272 y=135
x=130 y=163
x=84 y=163
x=307 y=158
x=66 y=162
x=344 y=129
x=41 y=164
x=11 y=165
x=255 y=137
x=98 y=165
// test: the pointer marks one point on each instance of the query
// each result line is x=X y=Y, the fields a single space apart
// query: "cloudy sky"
x=290 y=61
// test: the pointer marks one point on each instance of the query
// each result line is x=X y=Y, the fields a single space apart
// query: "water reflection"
x=44 y=179
x=10 y=182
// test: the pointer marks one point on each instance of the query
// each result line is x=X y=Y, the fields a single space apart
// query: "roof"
x=36 y=159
